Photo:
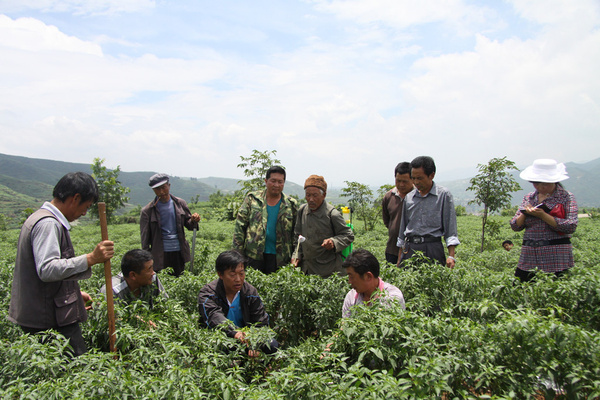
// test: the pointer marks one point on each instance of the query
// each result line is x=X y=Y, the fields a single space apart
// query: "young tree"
x=460 y=211
x=195 y=199
x=493 y=186
x=255 y=167
x=110 y=188
x=361 y=199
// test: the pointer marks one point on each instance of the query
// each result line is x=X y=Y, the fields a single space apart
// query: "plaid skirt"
x=553 y=258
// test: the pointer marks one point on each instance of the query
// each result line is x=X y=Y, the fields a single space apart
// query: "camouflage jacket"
x=250 y=231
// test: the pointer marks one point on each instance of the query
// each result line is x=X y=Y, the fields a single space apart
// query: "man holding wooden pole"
x=45 y=292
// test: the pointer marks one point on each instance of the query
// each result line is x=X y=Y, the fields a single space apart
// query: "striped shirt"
x=122 y=292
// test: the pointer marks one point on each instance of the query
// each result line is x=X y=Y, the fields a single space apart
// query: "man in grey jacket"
x=324 y=229
x=45 y=293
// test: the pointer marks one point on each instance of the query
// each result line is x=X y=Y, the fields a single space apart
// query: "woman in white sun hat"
x=549 y=217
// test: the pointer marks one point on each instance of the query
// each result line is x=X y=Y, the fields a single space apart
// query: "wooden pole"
x=110 y=306
x=193 y=250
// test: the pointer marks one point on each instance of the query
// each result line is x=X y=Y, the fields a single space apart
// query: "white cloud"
x=551 y=12
x=30 y=34
x=523 y=98
x=361 y=87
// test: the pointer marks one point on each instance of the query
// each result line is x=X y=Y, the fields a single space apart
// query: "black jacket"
x=213 y=307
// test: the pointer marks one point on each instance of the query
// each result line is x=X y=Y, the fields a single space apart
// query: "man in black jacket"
x=232 y=303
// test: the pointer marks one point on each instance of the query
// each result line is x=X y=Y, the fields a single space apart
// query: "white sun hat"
x=545 y=170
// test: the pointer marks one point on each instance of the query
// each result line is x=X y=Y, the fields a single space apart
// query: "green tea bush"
x=300 y=306
x=471 y=332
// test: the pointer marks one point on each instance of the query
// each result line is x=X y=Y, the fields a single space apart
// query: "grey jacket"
x=326 y=222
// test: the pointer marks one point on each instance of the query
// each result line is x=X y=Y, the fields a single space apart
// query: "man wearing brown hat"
x=324 y=230
x=161 y=226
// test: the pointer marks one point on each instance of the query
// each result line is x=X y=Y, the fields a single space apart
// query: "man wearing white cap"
x=549 y=217
x=161 y=226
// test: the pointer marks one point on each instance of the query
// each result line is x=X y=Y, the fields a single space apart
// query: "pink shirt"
x=390 y=293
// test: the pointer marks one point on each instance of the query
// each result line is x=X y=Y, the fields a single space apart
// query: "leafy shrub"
x=471 y=332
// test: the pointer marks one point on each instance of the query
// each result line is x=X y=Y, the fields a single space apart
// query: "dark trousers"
x=391 y=258
x=71 y=332
x=267 y=265
x=434 y=251
x=528 y=276
x=173 y=259
x=271 y=348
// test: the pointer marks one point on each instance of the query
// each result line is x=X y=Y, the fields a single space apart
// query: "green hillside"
x=45 y=171
x=12 y=204
x=31 y=188
x=36 y=178
x=27 y=182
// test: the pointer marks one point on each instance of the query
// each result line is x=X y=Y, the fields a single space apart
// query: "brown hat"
x=316 y=181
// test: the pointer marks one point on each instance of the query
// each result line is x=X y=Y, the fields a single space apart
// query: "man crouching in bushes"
x=137 y=279
x=363 y=275
x=363 y=270
x=232 y=303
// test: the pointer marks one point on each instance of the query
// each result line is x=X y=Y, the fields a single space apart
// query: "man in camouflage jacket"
x=264 y=228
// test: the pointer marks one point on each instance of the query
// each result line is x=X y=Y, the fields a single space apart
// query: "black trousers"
x=391 y=258
x=267 y=265
x=433 y=250
x=71 y=332
x=174 y=260
x=528 y=276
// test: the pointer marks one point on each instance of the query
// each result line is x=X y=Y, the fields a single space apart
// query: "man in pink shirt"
x=363 y=275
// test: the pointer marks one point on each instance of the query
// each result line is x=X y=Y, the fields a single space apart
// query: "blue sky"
x=344 y=89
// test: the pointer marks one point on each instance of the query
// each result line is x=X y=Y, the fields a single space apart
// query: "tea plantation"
x=472 y=332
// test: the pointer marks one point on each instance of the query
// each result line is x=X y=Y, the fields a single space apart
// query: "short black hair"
x=424 y=162
x=362 y=261
x=402 y=168
x=229 y=259
x=134 y=260
x=76 y=183
x=506 y=242
x=276 y=169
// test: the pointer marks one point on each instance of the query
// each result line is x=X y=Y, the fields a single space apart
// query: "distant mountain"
x=36 y=178
x=27 y=182
x=12 y=204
